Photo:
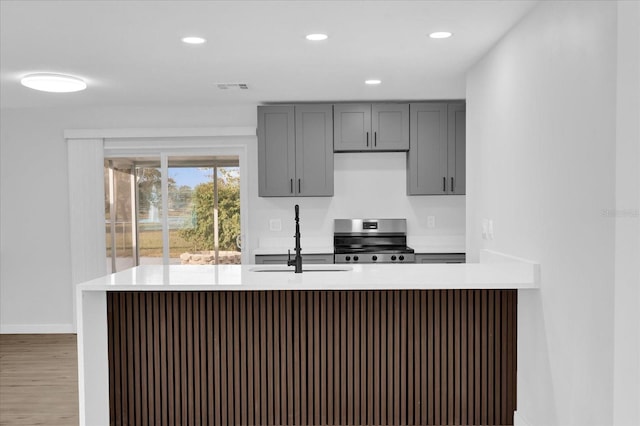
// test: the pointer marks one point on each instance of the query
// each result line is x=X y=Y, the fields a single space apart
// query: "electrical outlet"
x=431 y=221
x=275 y=225
x=485 y=229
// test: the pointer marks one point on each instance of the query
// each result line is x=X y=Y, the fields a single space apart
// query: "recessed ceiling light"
x=193 y=40
x=373 y=82
x=441 y=34
x=317 y=37
x=57 y=83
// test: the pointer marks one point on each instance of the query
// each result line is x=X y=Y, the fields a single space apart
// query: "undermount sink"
x=309 y=268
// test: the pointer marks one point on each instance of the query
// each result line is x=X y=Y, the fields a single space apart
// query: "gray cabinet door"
x=390 y=127
x=314 y=150
x=456 y=147
x=276 y=151
x=440 y=258
x=427 y=156
x=352 y=127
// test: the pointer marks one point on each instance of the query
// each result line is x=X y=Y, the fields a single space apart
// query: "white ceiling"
x=130 y=52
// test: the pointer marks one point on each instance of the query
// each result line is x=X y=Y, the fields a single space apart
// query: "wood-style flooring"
x=38 y=379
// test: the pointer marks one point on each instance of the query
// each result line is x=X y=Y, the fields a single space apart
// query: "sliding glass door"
x=175 y=210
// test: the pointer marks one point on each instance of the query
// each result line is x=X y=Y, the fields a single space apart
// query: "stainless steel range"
x=371 y=241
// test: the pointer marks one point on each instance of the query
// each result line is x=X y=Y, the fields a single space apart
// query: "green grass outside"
x=150 y=244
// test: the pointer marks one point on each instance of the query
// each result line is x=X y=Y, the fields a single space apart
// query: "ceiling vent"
x=232 y=86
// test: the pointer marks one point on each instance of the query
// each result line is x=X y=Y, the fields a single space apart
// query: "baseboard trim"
x=519 y=420
x=37 y=329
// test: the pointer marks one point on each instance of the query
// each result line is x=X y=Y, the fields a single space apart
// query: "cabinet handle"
x=291 y=186
x=299 y=190
x=452 y=184
x=375 y=138
x=367 y=138
x=444 y=184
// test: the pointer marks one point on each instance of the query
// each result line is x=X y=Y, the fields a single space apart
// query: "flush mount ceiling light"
x=441 y=34
x=193 y=40
x=372 y=82
x=57 y=83
x=317 y=37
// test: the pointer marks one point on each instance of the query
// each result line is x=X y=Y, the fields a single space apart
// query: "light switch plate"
x=275 y=225
x=431 y=221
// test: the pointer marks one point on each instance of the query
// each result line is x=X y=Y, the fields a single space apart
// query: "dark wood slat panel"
x=322 y=324
x=363 y=358
x=457 y=336
x=297 y=350
x=484 y=415
x=304 y=365
x=217 y=362
x=313 y=357
x=396 y=358
x=490 y=358
x=424 y=417
x=243 y=341
x=437 y=365
x=464 y=411
x=403 y=357
x=410 y=372
x=337 y=373
x=371 y=367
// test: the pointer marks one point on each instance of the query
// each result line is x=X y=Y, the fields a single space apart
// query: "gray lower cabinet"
x=371 y=127
x=295 y=150
x=436 y=158
x=280 y=259
x=440 y=258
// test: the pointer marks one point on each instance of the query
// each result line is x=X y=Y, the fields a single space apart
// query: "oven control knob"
x=348 y=258
x=393 y=257
x=374 y=257
x=355 y=258
x=401 y=257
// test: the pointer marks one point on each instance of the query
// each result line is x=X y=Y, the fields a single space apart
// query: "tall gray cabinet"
x=436 y=158
x=366 y=127
x=295 y=150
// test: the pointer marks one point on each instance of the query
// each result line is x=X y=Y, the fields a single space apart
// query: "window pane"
x=149 y=214
x=123 y=227
x=203 y=211
x=191 y=215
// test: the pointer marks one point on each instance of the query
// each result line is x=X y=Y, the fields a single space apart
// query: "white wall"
x=541 y=152
x=365 y=185
x=626 y=394
x=35 y=265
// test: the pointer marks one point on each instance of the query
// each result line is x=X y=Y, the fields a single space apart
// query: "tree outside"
x=198 y=231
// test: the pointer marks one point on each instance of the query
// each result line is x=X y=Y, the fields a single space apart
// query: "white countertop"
x=496 y=271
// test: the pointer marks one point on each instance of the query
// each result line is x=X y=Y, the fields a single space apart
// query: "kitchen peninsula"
x=337 y=344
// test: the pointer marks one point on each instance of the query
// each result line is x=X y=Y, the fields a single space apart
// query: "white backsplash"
x=366 y=185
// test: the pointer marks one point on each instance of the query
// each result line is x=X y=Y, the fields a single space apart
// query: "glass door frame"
x=164 y=154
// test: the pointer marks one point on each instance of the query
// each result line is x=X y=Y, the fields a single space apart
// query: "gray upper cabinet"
x=295 y=150
x=314 y=150
x=352 y=127
x=456 y=146
x=366 y=127
x=276 y=151
x=436 y=158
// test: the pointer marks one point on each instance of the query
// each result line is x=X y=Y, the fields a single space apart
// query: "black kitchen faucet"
x=297 y=261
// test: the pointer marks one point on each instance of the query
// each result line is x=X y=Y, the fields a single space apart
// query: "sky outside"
x=192 y=176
